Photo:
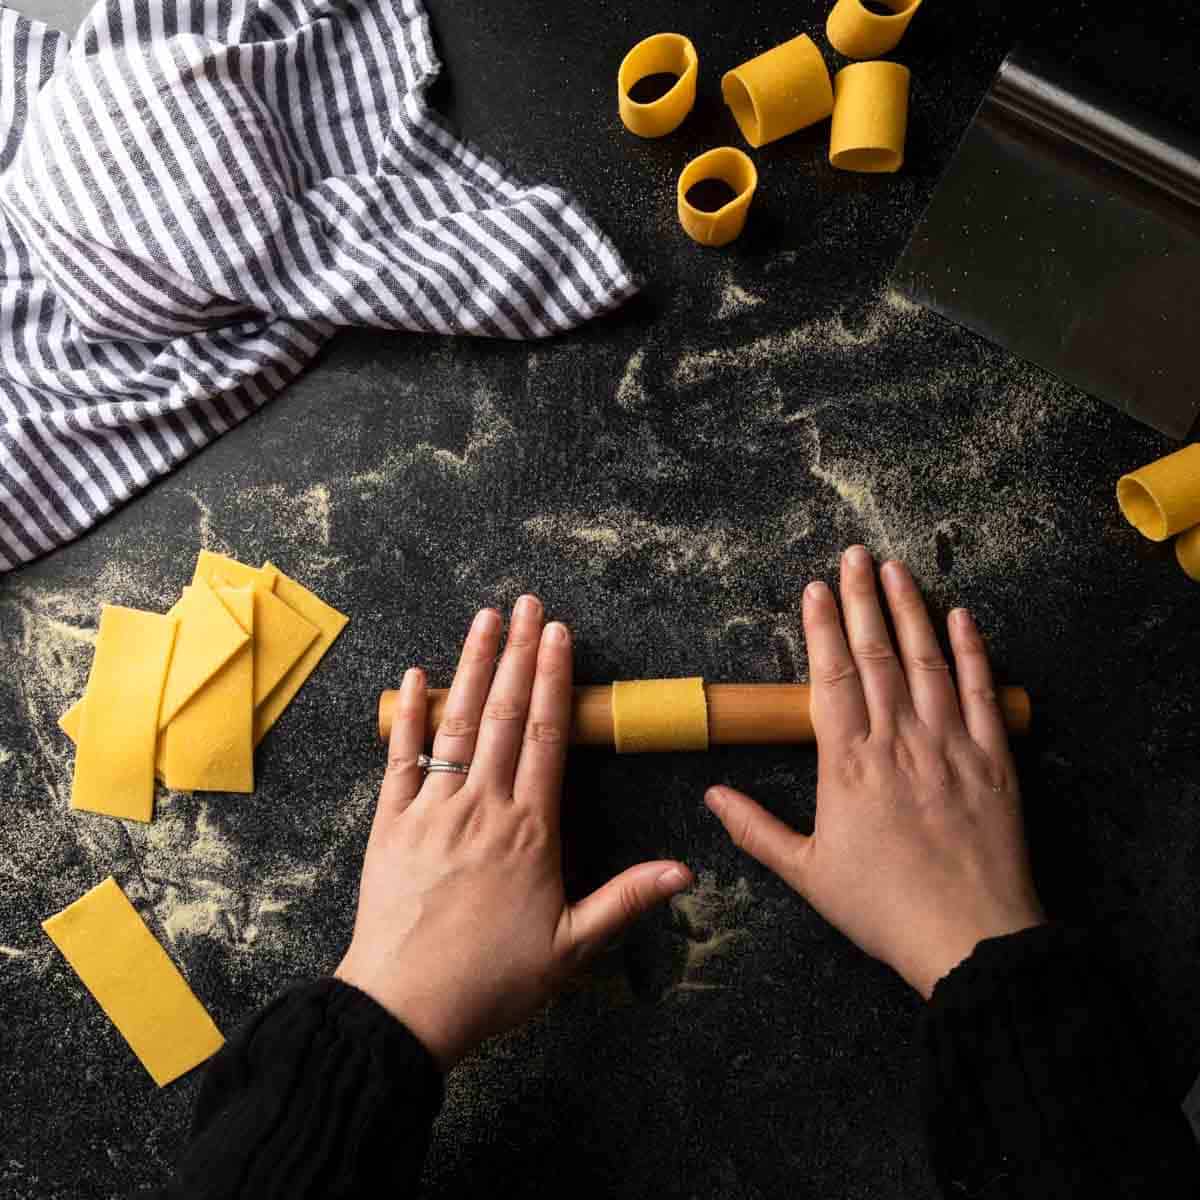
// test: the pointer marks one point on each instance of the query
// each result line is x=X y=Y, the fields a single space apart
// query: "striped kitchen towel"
x=195 y=194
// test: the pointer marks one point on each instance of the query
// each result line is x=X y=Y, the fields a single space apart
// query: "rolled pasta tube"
x=650 y=715
x=1187 y=552
x=780 y=91
x=1163 y=498
x=856 y=32
x=870 y=117
x=722 y=225
x=661 y=53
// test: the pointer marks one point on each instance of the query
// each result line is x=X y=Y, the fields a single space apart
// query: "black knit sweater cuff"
x=994 y=961
x=318 y=1094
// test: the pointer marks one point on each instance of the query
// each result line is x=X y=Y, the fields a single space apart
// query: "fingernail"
x=895 y=567
x=413 y=677
x=858 y=556
x=816 y=590
x=961 y=618
x=714 y=798
x=556 y=632
x=486 y=620
x=527 y=606
x=671 y=881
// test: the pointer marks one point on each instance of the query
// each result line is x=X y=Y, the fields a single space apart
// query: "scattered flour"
x=735 y=300
x=712 y=919
x=491 y=430
x=617 y=533
x=823 y=333
x=630 y=389
x=307 y=514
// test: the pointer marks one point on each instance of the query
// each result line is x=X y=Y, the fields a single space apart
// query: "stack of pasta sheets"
x=187 y=695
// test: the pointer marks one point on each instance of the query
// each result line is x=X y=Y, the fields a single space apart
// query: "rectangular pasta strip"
x=114 y=756
x=233 y=623
x=210 y=565
x=208 y=638
x=210 y=743
x=281 y=636
x=141 y=990
x=328 y=621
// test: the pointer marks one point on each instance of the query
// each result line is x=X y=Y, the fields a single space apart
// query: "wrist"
x=418 y=1013
x=942 y=954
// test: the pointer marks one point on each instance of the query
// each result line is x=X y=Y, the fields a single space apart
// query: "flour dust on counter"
x=713 y=918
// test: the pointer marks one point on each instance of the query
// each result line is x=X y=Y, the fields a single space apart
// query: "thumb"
x=763 y=836
x=611 y=909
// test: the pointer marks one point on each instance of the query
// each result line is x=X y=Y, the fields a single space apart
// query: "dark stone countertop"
x=667 y=480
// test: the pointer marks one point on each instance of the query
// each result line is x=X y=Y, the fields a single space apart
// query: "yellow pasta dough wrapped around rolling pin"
x=870 y=117
x=780 y=91
x=719 y=226
x=659 y=54
x=659 y=714
x=1163 y=498
x=857 y=32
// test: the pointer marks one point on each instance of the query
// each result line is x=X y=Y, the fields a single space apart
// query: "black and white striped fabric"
x=194 y=194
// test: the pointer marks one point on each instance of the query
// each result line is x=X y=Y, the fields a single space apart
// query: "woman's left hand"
x=463 y=927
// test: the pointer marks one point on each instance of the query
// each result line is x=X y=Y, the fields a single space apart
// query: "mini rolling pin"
x=739 y=714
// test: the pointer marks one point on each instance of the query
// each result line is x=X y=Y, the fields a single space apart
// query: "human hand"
x=463 y=928
x=917 y=851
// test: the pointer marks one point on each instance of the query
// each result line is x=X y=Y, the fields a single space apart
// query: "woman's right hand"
x=917 y=851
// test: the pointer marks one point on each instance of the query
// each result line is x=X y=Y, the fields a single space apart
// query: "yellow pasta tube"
x=1187 y=551
x=722 y=225
x=780 y=91
x=856 y=32
x=1163 y=498
x=659 y=714
x=140 y=989
x=659 y=54
x=870 y=117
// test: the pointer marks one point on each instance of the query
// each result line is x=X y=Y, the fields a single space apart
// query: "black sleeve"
x=1040 y=1080
x=321 y=1094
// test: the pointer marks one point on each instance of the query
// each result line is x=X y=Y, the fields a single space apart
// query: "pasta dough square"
x=114 y=757
x=140 y=989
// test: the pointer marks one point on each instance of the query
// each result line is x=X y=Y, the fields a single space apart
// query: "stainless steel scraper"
x=1067 y=229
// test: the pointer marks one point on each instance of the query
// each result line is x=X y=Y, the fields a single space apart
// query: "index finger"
x=839 y=708
x=548 y=726
x=403 y=778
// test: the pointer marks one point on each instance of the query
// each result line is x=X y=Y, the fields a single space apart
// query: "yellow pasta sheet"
x=140 y=989
x=114 y=757
x=210 y=743
x=659 y=714
x=216 y=568
x=328 y=621
x=207 y=637
x=281 y=636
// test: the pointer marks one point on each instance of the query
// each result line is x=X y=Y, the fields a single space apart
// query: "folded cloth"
x=194 y=196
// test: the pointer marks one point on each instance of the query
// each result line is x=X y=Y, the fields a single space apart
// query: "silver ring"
x=432 y=766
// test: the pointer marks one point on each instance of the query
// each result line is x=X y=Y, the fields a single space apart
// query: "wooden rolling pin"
x=739 y=714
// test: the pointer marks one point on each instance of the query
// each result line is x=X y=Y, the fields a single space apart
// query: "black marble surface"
x=667 y=480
